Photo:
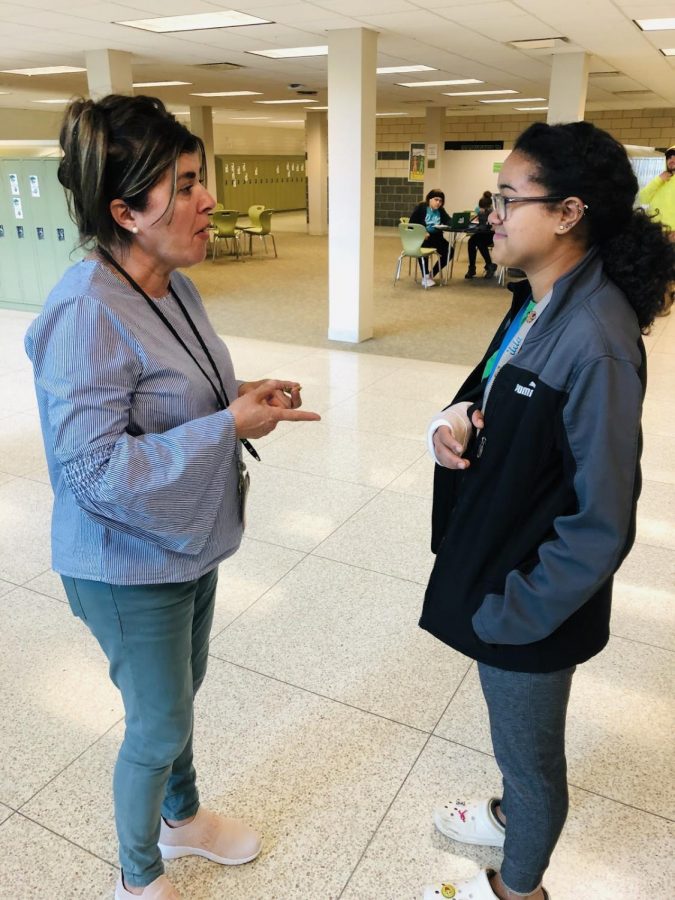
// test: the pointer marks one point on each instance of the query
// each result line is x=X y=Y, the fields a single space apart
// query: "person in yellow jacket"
x=659 y=194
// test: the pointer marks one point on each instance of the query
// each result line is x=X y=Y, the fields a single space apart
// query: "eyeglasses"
x=500 y=203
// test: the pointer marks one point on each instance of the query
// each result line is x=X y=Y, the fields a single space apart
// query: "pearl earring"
x=134 y=230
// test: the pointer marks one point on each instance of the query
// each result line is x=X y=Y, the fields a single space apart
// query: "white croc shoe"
x=476 y=888
x=470 y=823
x=159 y=889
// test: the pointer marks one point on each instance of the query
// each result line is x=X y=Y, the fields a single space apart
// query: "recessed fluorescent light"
x=316 y=107
x=399 y=70
x=667 y=51
x=60 y=100
x=381 y=115
x=158 y=83
x=538 y=43
x=290 y=52
x=512 y=100
x=226 y=18
x=227 y=94
x=655 y=24
x=286 y=121
x=530 y=108
x=247 y=118
x=275 y=102
x=44 y=70
x=439 y=83
x=476 y=93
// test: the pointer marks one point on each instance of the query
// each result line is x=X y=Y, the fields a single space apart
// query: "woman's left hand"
x=288 y=398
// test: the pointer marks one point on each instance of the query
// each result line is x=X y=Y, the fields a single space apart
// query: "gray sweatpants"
x=527 y=723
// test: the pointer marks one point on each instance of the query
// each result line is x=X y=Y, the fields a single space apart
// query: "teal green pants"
x=156 y=639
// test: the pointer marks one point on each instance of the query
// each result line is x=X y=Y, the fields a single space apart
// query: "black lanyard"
x=221 y=396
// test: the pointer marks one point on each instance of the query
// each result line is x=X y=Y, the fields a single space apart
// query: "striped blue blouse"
x=142 y=463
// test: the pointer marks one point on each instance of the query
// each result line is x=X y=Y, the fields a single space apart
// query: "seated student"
x=431 y=214
x=482 y=238
x=487 y=195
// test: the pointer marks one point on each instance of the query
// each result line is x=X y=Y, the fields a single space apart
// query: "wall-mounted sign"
x=432 y=151
x=18 y=208
x=14 y=185
x=34 y=185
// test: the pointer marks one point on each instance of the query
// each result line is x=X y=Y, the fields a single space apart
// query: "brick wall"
x=650 y=127
x=395 y=197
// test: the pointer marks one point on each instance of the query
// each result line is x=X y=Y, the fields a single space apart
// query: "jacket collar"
x=569 y=291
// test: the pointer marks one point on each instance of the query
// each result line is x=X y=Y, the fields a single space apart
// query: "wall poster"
x=416 y=165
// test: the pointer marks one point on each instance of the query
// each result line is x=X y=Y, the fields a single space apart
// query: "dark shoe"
x=471 y=272
x=490 y=270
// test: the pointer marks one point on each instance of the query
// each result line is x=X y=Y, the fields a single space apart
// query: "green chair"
x=224 y=223
x=260 y=227
x=403 y=220
x=412 y=238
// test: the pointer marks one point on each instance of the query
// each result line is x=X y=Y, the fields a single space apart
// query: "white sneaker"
x=428 y=281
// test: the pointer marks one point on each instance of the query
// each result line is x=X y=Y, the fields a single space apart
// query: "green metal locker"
x=40 y=242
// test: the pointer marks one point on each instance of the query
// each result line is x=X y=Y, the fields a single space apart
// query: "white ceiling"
x=460 y=38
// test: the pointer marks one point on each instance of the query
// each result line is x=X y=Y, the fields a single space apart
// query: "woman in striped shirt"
x=143 y=423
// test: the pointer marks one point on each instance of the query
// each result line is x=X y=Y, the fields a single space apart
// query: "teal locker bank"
x=38 y=240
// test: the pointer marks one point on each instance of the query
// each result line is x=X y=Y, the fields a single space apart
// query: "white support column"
x=201 y=124
x=108 y=72
x=352 y=59
x=316 y=131
x=569 y=83
x=433 y=137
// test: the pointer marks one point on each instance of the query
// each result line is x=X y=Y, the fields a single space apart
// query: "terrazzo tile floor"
x=328 y=719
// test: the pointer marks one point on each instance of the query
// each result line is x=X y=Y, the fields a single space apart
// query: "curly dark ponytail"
x=579 y=160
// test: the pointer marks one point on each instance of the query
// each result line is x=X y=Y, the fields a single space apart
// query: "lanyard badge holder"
x=243 y=477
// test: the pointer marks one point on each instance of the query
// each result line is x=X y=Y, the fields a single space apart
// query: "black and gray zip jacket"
x=528 y=538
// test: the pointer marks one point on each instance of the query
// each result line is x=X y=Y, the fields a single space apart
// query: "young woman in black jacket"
x=538 y=477
x=431 y=214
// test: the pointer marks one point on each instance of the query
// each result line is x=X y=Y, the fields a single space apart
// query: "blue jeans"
x=527 y=724
x=156 y=638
